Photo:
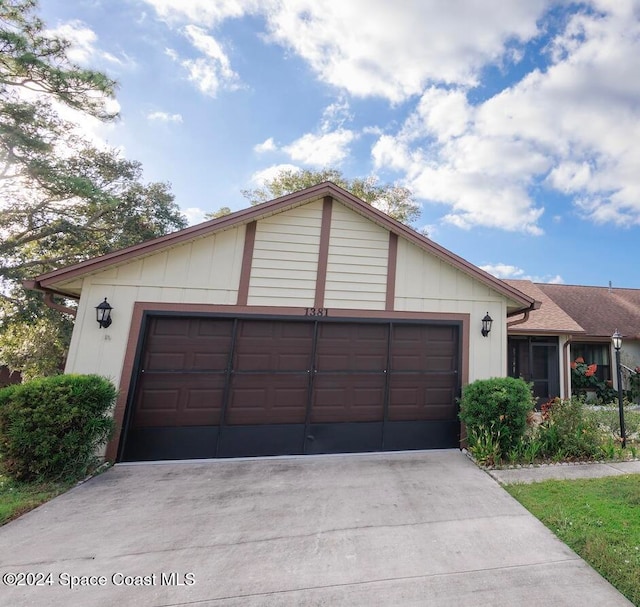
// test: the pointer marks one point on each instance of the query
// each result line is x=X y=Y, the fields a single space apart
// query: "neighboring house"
x=312 y=323
x=573 y=321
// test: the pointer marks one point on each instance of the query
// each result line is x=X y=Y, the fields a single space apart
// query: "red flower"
x=580 y=359
x=591 y=369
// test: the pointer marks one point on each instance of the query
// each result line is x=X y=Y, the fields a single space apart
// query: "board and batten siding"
x=206 y=270
x=425 y=283
x=285 y=258
x=357 y=262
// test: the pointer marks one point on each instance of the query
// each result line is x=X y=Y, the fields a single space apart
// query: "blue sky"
x=516 y=124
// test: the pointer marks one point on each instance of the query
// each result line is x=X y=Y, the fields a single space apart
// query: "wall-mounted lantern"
x=486 y=325
x=103 y=314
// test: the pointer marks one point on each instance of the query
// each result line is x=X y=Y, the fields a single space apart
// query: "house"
x=571 y=322
x=312 y=323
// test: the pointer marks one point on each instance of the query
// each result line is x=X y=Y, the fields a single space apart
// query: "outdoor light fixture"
x=616 y=338
x=103 y=314
x=486 y=325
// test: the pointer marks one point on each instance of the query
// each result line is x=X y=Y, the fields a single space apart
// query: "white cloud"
x=369 y=47
x=574 y=128
x=259 y=178
x=503 y=270
x=266 y=146
x=210 y=72
x=321 y=150
x=204 y=12
x=330 y=145
x=164 y=117
x=194 y=215
x=84 y=50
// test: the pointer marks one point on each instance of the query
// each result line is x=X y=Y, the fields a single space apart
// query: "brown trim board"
x=247 y=259
x=392 y=262
x=323 y=252
x=139 y=309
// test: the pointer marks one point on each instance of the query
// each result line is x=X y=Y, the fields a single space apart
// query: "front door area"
x=535 y=359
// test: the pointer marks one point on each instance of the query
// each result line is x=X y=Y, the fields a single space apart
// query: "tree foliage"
x=396 y=201
x=62 y=199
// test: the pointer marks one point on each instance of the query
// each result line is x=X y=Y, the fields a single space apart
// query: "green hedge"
x=51 y=428
x=498 y=405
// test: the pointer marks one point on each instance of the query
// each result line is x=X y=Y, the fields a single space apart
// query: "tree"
x=396 y=201
x=221 y=212
x=62 y=200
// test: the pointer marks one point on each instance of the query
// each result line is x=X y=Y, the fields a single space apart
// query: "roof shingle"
x=599 y=310
x=549 y=318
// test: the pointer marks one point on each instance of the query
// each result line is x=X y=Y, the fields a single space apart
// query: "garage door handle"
x=311 y=437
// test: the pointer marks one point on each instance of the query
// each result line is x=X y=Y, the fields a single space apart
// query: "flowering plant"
x=583 y=376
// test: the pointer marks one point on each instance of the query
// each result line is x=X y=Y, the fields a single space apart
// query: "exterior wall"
x=357 y=262
x=630 y=357
x=283 y=272
x=285 y=258
x=427 y=284
x=203 y=271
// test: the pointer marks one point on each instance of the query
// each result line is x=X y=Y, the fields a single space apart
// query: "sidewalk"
x=536 y=474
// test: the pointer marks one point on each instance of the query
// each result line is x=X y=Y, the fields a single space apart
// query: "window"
x=594 y=353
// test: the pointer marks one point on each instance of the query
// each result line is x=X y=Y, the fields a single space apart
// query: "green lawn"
x=18 y=498
x=598 y=518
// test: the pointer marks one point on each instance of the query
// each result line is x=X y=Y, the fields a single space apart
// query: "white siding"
x=357 y=263
x=424 y=283
x=203 y=271
x=285 y=258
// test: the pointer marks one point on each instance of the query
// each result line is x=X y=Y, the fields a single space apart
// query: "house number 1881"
x=316 y=312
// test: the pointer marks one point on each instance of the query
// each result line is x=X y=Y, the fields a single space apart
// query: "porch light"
x=616 y=338
x=486 y=325
x=103 y=314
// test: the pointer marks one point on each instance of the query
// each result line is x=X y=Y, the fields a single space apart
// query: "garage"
x=211 y=386
x=311 y=323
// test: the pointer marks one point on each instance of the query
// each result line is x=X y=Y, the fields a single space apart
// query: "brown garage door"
x=225 y=387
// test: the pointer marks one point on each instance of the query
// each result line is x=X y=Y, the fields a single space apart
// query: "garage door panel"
x=190 y=442
x=406 y=435
x=267 y=399
x=179 y=400
x=348 y=398
x=187 y=344
x=344 y=438
x=273 y=346
x=422 y=397
x=352 y=346
x=423 y=348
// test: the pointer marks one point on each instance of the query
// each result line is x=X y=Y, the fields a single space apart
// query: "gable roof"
x=549 y=318
x=50 y=280
x=599 y=310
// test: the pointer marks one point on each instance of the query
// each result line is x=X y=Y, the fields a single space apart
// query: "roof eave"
x=50 y=279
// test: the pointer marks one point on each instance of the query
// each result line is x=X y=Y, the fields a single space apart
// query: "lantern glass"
x=103 y=314
x=487 y=321
x=616 y=338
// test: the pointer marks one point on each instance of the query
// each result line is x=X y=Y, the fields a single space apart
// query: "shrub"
x=484 y=445
x=50 y=428
x=569 y=431
x=501 y=404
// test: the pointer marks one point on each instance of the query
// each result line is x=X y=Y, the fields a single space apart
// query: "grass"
x=17 y=498
x=598 y=519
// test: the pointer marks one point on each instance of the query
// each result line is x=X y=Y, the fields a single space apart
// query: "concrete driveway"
x=422 y=528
